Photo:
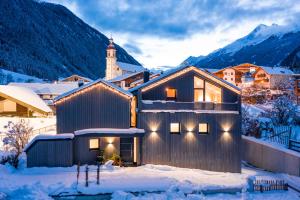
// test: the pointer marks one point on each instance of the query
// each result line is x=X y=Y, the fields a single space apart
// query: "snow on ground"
x=37 y=183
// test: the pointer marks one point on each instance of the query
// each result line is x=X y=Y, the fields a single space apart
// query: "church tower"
x=111 y=61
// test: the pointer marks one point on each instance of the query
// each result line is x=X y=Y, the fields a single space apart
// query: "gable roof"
x=277 y=70
x=181 y=70
x=86 y=86
x=24 y=97
x=130 y=67
x=75 y=75
x=48 y=88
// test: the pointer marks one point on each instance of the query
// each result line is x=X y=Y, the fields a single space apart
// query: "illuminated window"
x=198 y=89
x=203 y=128
x=175 y=128
x=212 y=93
x=94 y=144
x=171 y=94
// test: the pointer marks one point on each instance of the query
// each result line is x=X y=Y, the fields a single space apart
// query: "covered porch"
x=89 y=143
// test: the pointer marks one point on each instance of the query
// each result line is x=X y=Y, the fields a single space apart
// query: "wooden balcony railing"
x=172 y=105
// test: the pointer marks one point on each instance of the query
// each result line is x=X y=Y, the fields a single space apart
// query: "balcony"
x=172 y=105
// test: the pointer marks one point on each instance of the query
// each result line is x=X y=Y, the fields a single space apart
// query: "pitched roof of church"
x=130 y=67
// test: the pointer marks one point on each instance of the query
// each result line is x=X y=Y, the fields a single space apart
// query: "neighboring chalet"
x=21 y=102
x=249 y=75
x=75 y=78
x=186 y=117
x=48 y=91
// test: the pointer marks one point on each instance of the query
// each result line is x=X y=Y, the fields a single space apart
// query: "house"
x=75 y=78
x=48 y=91
x=186 y=117
x=249 y=75
x=21 y=102
x=115 y=68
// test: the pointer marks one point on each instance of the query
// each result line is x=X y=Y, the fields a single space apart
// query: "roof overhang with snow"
x=25 y=97
x=86 y=87
x=110 y=132
x=180 y=71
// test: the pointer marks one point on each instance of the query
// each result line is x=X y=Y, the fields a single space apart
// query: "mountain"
x=192 y=59
x=48 y=41
x=266 y=45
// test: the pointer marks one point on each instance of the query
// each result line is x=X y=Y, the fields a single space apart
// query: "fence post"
x=86 y=176
x=290 y=133
x=98 y=173
x=78 y=171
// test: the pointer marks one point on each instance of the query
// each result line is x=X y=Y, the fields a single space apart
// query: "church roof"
x=130 y=67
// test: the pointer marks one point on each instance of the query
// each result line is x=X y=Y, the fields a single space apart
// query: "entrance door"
x=126 y=150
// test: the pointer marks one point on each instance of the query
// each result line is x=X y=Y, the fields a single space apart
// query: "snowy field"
x=172 y=182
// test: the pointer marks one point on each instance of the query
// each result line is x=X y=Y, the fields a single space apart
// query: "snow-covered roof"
x=25 y=97
x=49 y=137
x=75 y=75
x=48 y=88
x=130 y=67
x=277 y=70
x=178 y=69
x=113 y=86
x=124 y=76
x=109 y=131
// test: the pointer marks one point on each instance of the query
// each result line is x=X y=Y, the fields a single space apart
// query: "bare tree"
x=16 y=137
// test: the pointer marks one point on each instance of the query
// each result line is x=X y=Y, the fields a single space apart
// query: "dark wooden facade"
x=96 y=108
x=219 y=150
x=50 y=153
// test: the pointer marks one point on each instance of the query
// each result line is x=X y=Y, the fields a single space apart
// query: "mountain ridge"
x=265 y=45
x=48 y=41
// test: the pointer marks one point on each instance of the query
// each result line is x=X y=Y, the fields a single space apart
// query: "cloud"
x=165 y=32
x=132 y=48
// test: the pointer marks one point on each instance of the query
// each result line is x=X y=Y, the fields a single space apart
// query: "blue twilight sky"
x=165 y=32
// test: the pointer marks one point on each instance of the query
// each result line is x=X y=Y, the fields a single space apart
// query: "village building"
x=115 y=68
x=21 y=102
x=250 y=75
x=75 y=78
x=186 y=117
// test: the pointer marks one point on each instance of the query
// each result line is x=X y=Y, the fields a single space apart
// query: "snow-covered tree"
x=283 y=111
x=250 y=125
x=16 y=137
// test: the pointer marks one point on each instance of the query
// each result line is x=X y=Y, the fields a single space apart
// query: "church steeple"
x=111 y=60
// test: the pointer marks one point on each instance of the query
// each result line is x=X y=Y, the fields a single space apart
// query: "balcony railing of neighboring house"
x=172 y=105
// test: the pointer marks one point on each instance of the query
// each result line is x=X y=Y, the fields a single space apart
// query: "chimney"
x=146 y=76
x=80 y=83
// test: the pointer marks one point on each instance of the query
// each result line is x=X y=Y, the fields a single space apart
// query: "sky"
x=166 y=32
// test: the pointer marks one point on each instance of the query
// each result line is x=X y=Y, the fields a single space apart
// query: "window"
x=171 y=94
x=198 y=89
x=203 y=128
x=94 y=144
x=212 y=93
x=175 y=128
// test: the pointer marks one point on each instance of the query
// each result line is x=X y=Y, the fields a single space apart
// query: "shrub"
x=117 y=159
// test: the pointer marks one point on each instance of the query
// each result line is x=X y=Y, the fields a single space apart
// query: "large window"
x=175 y=128
x=94 y=144
x=171 y=94
x=212 y=93
x=198 y=89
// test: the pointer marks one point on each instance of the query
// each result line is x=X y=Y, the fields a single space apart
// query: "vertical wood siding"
x=50 y=153
x=97 y=108
x=185 y=89
x=217 y=151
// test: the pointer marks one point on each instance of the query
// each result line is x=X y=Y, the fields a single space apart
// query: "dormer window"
x=171 y=94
